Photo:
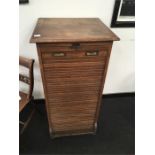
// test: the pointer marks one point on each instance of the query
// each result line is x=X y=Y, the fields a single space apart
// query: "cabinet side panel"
x=44 y=86
x=102 y=83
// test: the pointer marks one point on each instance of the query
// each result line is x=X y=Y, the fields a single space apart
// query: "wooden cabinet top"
x=71 y=30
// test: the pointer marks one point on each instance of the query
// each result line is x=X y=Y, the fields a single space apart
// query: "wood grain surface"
x=71 y=30
x=73 y=56
x=72 y=84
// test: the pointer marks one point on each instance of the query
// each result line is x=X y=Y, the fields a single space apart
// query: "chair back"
x=28 y=79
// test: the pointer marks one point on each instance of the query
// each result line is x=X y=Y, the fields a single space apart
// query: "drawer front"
x=70 y=53
x=72 y=83
x=63 y=56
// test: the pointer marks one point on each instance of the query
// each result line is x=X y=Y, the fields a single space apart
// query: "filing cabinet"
x=73 y=55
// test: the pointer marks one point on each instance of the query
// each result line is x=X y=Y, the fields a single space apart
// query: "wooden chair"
x=26 y=98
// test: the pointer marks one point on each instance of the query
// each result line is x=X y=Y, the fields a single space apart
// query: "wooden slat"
x=24 y=78
x=25 y=61
x=24 y=100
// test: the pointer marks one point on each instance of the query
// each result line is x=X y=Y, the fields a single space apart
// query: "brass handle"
x=91 y=53
x=58 y=54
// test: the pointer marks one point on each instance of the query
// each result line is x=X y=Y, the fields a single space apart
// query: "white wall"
x=120 y=76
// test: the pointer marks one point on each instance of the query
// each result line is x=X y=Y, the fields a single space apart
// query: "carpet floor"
x=115 y=134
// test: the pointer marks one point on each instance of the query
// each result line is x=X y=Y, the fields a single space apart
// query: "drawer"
x=70 y=56
x=69 y=52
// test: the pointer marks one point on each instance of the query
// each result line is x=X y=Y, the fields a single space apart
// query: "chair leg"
x=36 y=107
x=27 y=122
x=38 y=110
x=21 y=122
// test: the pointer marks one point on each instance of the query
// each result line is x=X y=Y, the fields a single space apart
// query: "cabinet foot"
x=50 y=132
x=95 y=128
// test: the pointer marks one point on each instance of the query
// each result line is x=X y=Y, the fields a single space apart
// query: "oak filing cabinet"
x=73 y=56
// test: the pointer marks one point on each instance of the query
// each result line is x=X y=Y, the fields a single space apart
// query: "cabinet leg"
x=95 y=128
x=50 y=132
